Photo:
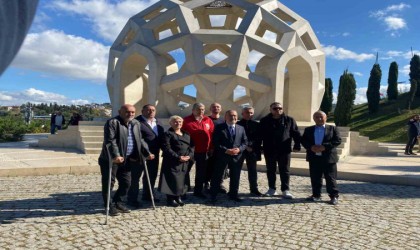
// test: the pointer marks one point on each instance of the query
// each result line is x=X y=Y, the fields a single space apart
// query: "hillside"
x=389 y=124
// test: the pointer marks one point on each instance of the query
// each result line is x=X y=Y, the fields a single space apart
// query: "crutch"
x=108 y=195
x=150 y=186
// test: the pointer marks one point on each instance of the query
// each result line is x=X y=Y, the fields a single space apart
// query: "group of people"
x=218 y=146
x=58 y=121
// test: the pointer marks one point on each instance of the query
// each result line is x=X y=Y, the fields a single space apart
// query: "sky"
x=64 y=57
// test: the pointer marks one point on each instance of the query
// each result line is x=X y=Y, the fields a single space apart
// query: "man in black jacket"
x=252 y=154
x=320 y=142
x=276 y=132
x=122 y=136
x=413 y=134
x=152 y=132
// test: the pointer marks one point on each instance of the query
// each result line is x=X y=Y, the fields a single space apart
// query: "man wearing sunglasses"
x=276 y=133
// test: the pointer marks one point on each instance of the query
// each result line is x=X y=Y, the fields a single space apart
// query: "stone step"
x=92 y=144
x=91 y=128
x=94 y=151
x=92 y=138
x=91 y=133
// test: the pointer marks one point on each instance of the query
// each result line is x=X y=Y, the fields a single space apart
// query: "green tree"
x=345 y=99
x=372 y=93
x=392 y=91
x=412 y=93
x=326 y=104
x=415 y=71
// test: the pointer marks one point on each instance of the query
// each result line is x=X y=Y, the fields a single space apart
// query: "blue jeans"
x=53 y=127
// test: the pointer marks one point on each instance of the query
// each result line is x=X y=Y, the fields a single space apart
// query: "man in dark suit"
x=152 y=132
x=229 y=141
x=127 y=150
x=320 y=142
x=252 y=153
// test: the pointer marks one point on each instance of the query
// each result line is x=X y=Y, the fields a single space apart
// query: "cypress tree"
x=415 y=72
x=345 y=99
x=392 y=91
x=326 y=104
x=372 y=93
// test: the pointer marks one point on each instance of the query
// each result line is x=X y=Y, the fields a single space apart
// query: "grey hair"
x=247 y=108
x=320 y=112
x=197 y=105
x=175 y=117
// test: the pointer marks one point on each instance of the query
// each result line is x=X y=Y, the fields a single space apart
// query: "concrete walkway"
x=19 y=159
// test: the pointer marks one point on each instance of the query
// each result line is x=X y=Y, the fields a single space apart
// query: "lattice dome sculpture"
x=235 y=52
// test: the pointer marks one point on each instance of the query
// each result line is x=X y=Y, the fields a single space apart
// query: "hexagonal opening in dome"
x=228 y=18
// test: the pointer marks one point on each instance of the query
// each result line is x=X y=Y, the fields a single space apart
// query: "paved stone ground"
x=65 y=212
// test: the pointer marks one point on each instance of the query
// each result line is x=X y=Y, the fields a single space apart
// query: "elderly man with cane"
x=123 y=149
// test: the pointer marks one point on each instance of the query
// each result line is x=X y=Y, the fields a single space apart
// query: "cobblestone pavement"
x=65 y=212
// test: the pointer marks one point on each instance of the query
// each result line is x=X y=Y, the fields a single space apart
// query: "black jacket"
x=331 y=140
x=223 y=141
x=116 y=134
x=251 y=130
x=413 y=128
x=276 y=135
x=153 y=141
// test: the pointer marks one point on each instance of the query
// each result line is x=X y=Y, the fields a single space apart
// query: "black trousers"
x=121 y=173
x=200 y=171
x=152 y=168
x=219 y=171
x=283 y=163
x=251 y=164
x=412 y=140
x=136 y=172
x=319 y=167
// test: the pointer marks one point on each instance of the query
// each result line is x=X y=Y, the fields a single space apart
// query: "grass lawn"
x=389 y=124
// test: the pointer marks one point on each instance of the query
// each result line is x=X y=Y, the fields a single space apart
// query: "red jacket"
x=200 y=132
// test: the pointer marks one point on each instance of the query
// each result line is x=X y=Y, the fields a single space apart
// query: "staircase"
x=87 y=137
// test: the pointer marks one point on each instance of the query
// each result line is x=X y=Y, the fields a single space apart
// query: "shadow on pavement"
x=82 y=203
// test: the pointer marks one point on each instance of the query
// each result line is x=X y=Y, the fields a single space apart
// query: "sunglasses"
x=277 y=108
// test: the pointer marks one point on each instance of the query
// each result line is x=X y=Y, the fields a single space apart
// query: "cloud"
x=54 y=52
x=36 y=96
x=344 y=54
x=392 y=8
x=357 y=74
x=390 y=18
x=395 y=23
x=405 y=70
x=108 y=18
x=404 y=54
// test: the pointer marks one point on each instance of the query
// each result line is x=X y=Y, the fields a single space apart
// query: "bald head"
x=320 y=118
x=127 y=112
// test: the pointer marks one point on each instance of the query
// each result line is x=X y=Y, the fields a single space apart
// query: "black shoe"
x=314 y=198
x=235 y=198
x=222 y=191
x=334 y=201
x=172 y=203
x=184 y=197
x=257 y=193
x=150 y=199
x=121 y=208
x=412 y=153
x=200 y=195
x=179 y=201
x=134 y=204
x=112 y=211
x=406 y=153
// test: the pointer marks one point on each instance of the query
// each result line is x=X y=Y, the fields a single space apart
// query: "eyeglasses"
x=277 y=108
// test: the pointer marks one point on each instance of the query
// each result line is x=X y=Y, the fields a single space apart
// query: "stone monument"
x=237 y=52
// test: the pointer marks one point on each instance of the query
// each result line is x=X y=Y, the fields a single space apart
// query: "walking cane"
x=108 y=195
x=150 y=186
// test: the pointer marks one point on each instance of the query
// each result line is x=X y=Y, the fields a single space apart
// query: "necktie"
x=232 y=131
